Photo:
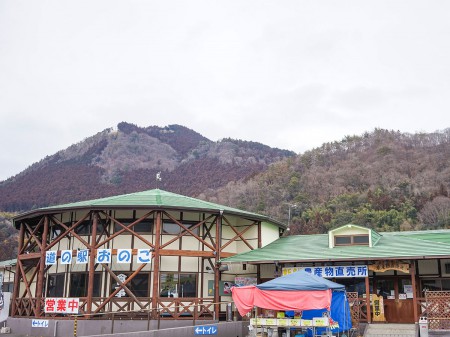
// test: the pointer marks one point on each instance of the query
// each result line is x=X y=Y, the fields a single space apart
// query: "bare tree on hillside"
x=436 y=213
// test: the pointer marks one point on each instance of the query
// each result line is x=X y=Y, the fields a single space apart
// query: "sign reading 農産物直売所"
x=331 y=271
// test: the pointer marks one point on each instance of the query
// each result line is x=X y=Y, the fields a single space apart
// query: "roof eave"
x=52 y=210
x=419 y=257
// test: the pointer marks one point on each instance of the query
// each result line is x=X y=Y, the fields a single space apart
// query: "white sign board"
x=39 y=323
x=57 y=305
x=4 y=309
x=332 y=271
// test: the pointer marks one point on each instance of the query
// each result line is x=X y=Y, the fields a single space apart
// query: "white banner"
x=58 y=305
x=103 y=255
x=4 y=309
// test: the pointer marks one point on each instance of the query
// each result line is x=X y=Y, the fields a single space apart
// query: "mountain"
x=8 y=237
x=386 y=180
x=127 y=159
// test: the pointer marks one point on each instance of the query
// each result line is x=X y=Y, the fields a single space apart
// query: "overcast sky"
x=289 y=74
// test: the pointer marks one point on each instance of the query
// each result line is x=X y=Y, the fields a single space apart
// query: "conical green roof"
x=155 y=198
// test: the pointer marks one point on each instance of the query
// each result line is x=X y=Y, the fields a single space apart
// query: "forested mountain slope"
x=385 y=180
x=127 y=159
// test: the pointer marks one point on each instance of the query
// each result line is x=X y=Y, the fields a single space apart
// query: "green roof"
x=155 y=198
x=312 y=248
x=8 y=263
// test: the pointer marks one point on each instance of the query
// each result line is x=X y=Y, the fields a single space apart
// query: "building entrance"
x=397 y=296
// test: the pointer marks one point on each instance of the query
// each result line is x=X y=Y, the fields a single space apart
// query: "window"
x=354 y=285
x=350 y=240
x=139 y=285
x=431 y=285
x=85 y=227
x=8 y=287
x=342 y=240
x=435 y=284
x=447 y=268
x=56 y=231
x=385 y=287
x=170 y=227
x=178 y=285
x=79 y=284
x=145 y=226
x=361 y=239
x=55 y=285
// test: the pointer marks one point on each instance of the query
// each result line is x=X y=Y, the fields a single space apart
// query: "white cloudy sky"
x=289 y=74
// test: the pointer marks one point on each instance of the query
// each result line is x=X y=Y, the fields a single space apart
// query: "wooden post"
x=258 y=266
x=369 y=314
x=155 y=277
x=90 y=289
x=414 y=288
x=216 y=269
x=18 y=274
x=41 y=278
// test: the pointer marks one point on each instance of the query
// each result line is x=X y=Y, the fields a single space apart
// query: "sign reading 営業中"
x=331 y=271
x=61 y=305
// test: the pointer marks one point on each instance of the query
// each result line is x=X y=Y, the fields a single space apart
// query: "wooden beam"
x=208 y=231
x=34 y=237
x=216 y=265
x=414 y=288
x=30 y=237
x=239 y=234
x=156 y=257
x=36 y=269
x=186 y=231
x=31 y=256
x=17 y=275
x=68 y=231
x=27 y=286
x=91 y=272
x=126 y=228
x=368 y=308
x=41 y=276
x=191 y=253
x=122 y=285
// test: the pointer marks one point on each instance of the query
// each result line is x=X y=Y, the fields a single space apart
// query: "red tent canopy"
x=296 y=291
x=247 y=297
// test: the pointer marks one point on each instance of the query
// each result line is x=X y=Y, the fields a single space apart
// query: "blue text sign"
x=39 y=323
x=205 y=330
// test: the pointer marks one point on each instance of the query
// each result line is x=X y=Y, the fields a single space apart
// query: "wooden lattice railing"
x=437 y=309
x=186 y=308
x=357 y=308
x=170 y=308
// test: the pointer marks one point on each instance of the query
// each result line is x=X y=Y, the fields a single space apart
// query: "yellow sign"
x=283 y=321
x=378 y=308
x=320 y=321
x=271 y=321
x=306 y=322
x=381 y=266
x=295 y=322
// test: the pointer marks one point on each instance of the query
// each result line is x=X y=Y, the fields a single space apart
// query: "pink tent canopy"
x=297 y=291
x=247 y=297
